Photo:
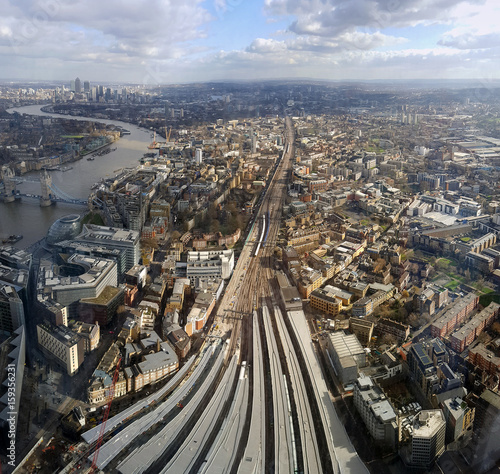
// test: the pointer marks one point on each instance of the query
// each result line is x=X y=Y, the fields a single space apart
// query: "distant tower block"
x=45 y=182
x=198 y=156
x=9 y=193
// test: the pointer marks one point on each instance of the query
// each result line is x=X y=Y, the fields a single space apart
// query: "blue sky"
x=169 y=41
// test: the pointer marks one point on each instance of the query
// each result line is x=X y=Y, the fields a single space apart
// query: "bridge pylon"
x=9 y=193
x=45 y=183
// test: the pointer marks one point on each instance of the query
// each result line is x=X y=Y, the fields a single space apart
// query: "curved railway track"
x=262 y=417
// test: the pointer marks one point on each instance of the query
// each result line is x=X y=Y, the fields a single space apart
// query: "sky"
x=171 y=41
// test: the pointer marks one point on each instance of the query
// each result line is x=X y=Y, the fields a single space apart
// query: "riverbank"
x=28 y=219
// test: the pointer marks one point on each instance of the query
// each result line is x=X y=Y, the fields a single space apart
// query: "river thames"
x=26 y=217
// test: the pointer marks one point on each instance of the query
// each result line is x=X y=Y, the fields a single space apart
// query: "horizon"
x=238 y=40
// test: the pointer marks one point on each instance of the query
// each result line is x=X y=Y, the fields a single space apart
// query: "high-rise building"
x=12 y=364
x=11 y=309
x=78 y=85
x=198 y=156
x=486 y=431
x=108 y=237
x=72 y=85
x=86 y=86
x=254 y=144
x=427 y=442
x=459 y=417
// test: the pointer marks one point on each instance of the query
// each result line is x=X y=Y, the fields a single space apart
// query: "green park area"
x=452 y=285
x=92 y=218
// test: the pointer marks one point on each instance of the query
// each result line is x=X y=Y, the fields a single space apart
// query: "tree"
x=496 y=328
x=379 y=265
x=175 y=235
x=443 y=265
x=467 y=275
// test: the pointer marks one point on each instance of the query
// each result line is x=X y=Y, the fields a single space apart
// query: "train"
x=266 y=220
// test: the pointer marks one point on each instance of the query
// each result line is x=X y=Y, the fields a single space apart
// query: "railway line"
x=310 y=452
x=187 y=455
x=253 y=461
x=258 y=402
x=221 y=456
x=147 y=456
x=285 y=459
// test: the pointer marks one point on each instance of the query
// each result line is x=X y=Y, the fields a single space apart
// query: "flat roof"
x=492 y=398
x=427 y=423
x=346 y=344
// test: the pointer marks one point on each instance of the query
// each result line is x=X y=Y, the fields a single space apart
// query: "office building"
x=14 y=297
x=346 y=354
x=62 y=345
x=118 y=255
x=11 y=310
x=325 y=302
x=113 y=238
x=78 y=85
x=101 y=309
x=12 y=363
x=206 y=265
x=90 y=333
x=420 y=365
x=486 y=430
x=136 y=276
x=198 y=157
x=428 y=438
x=15 y=258
x=459 y=418
x=78 y=278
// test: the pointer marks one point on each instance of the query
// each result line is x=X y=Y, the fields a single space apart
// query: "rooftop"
x=158 y=360
x=61 y=333
x=106 y=295
x=346 y=345
x=427 y=423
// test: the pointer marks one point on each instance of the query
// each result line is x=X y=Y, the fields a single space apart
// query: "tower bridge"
x=50 y=193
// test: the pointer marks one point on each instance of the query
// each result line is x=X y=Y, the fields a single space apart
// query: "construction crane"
x=111 y=394
x=167 y=133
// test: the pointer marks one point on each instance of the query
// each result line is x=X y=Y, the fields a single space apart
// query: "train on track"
x=265 y=224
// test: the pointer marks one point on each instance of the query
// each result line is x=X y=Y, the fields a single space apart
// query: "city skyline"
x=161 y=42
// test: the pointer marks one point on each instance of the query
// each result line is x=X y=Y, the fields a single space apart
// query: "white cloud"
x=332 y=17
x=113 y=31
x=160 y=41
x=475 y=28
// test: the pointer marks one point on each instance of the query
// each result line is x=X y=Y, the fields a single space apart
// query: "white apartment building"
x=376 y=410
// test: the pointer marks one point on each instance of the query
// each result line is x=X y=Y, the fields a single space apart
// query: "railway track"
x=257 y=411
